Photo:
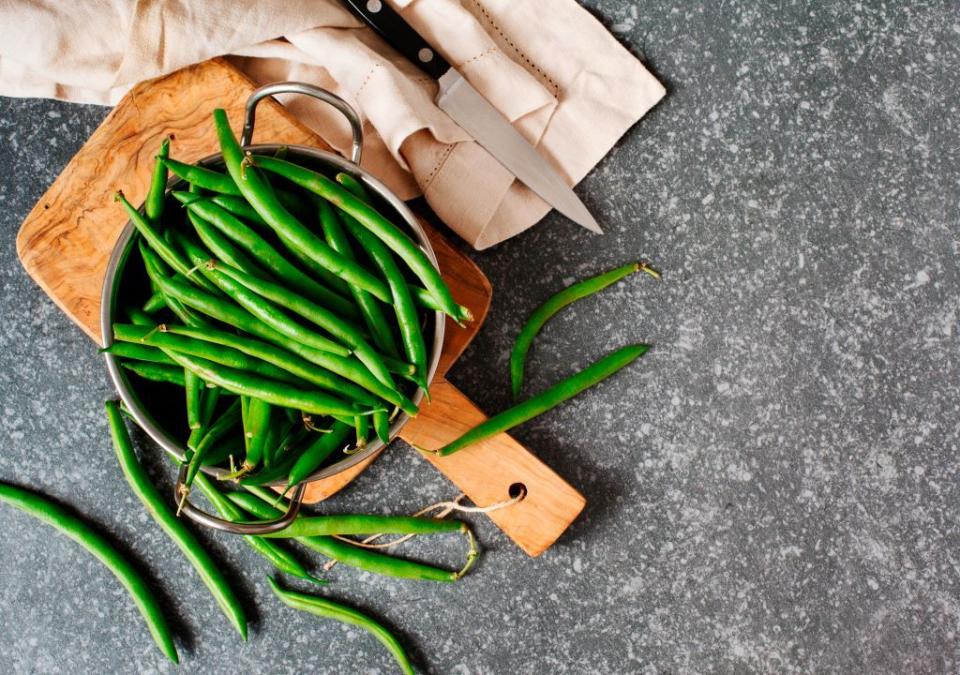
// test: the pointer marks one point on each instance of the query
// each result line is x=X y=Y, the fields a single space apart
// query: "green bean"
x=408 y=319
x=390 y=234
x=350 y=369
x=309 y=526
x=158 y=244
x=208 y=406
x=324 y=318
x=238 y=206
x=259 y=415
x=260 y=504
x=547 y=400
x=155 y=372
x=130 y=350
x=266 y=254
x=162 y=338
x=277 y=556
x=138 y=317
x=381 y=425
x=224 y=424
x=221 y=247
x=208 y=179
x=545 y=312
x=59 y=518
x=242 y=383
x=194 y=386
x=264 y=310
x=369 y=306
x=153 y=204
x=291 y=232
x=318 y=451
x=154 y=303
x=275 y=452
x=331 y=610
x=148 y=495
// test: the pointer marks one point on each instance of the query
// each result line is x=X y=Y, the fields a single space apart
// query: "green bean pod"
x=259 y=414
x=154 y=303
x=138 y=352
x=318 y=451
x=153 y=204
x=260 y=504
x=309 y=526
x=547 y=400
x=224 y=424
x=79 y=531
x=331 y=610
x=277 y=556
x=202 y=177
x=156 y=372
x=558 y=301
x=148 y=495
x=193 y=386
x=221 y=247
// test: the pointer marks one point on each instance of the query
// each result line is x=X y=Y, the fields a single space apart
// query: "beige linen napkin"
x=547 y=65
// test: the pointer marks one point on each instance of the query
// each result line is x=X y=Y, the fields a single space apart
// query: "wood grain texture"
x=67 y=238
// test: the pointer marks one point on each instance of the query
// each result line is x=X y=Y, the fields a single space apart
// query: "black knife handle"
x=400 y=35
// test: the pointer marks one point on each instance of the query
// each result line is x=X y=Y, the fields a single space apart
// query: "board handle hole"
x=517 y=491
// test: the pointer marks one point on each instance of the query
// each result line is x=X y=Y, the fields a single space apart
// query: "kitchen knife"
x=475 y=115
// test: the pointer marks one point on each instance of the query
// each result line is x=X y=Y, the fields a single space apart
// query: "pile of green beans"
x=280 y=288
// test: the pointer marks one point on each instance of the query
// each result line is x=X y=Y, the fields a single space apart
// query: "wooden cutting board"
x=67 y=238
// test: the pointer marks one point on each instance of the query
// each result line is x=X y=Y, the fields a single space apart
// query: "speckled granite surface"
x=774 y=489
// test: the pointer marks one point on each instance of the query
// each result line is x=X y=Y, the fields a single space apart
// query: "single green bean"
x=309 y=526
x=156 y=372
x=158 y=244
x=260 y=504
x=239 y=207
x=202 y=177
x=153 y=204
x=547 y=400
x=129 y=350
x=291 y=231
x=381 y=425
x=547 y=310
x=259 y=416
x=154 y=303
x=194 y=387
x=369 y=306
x=331 y=610
x=156 y=271
x=322 y=317
x=59 y=518
x=148 y=495
x=318 y=451
x=276 y=555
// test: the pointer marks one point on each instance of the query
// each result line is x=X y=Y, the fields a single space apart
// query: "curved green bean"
x=558 y=301
x=59 y=518
x=148 y=495
x=331 y=610
x=310 y=526
x=153 y=204
x=547 y=400
x=156 y=372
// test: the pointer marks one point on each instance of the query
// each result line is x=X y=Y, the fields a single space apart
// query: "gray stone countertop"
x=773 y=489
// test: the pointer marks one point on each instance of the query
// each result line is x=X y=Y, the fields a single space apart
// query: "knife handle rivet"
x=425 y=55
x=374 y=6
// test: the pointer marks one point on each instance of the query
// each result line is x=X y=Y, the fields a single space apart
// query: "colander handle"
x=309 y=90
x=260 y=527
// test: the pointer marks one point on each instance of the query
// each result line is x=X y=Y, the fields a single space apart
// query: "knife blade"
x=475 y=115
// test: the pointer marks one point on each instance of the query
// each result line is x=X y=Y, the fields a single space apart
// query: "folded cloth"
x=549 y=66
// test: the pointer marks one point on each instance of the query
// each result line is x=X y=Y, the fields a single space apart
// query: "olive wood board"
x=67 y=238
